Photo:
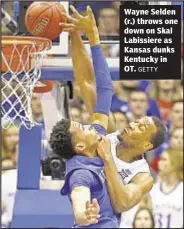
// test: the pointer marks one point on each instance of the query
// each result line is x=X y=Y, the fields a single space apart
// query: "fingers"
x=90 y=12
x=87 y=205
x=67 y=27
x=95 y=203
x=69 y=18
x=76 y=13
x=104 y=139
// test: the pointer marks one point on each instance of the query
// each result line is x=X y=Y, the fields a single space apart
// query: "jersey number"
x=161 y=219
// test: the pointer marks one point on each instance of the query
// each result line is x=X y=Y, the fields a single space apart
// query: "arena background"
x=165 y=100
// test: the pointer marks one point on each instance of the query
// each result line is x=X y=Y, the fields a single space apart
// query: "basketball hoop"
x=21 y=69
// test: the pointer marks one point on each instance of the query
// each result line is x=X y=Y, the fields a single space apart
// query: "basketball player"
x=147 y=129
x=167 y=195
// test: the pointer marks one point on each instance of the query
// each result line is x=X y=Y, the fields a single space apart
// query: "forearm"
x=103 y=81
x=119 y=194
x=126 y=197
x=83 y=67
x=83 y=71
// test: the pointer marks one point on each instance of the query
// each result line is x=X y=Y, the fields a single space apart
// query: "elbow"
x=123 y=205
x=122 y=208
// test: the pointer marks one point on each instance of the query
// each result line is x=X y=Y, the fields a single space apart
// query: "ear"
x=80 y=147
x=147 y=146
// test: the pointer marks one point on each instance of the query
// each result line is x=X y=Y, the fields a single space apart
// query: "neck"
x=91 y=153
x=126 y=154
x=171 y=180
x=166 y=95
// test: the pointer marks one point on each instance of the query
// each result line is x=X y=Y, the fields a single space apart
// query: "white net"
x=21 y=67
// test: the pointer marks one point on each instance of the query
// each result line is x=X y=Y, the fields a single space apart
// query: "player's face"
x=143 y=220
x=85 y=134
x=138 y=133
x=164 y=165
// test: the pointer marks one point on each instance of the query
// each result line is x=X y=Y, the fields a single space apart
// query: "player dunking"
x=139 y=137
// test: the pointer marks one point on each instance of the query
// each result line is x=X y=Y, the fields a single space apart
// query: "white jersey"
x=127 y=170
x=167 y=207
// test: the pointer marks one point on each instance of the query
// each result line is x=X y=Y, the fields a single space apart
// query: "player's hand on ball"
x=79 y=22
x=104 y=149
x=92 y=212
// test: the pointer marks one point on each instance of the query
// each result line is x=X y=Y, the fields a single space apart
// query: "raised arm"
x=123 y=197
x=104 y=86
x=83 y=71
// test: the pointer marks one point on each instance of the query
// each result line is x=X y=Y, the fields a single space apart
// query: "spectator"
x=75 y=112
x=167 y=193
x=176 y=139
x=165 y=92
x=122 y=92
x=121 y=120
x=9 y=183
x=36 y=108
x=85 y=116
x=144 y=218
x=176 y=115
x=10 y=138
x=108 y=22
x=138 y=104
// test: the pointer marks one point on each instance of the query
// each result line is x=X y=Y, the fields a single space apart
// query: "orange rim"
x=7 y=45
x=21 y=41
x=48 y=86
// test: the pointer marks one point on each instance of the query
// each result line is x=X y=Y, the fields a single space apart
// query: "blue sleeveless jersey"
x=108 y=219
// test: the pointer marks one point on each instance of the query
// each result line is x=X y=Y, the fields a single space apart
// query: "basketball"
x=42 y=19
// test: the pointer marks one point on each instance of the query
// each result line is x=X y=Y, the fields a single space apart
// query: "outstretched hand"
x=79 y=22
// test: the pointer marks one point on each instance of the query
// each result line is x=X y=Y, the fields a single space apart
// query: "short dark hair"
x=134 y=90
x=61 y=140
x=159 y=137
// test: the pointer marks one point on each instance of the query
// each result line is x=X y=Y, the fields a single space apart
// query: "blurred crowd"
x=162 y=208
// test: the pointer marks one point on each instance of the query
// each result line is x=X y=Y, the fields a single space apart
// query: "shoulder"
x=82 y=177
